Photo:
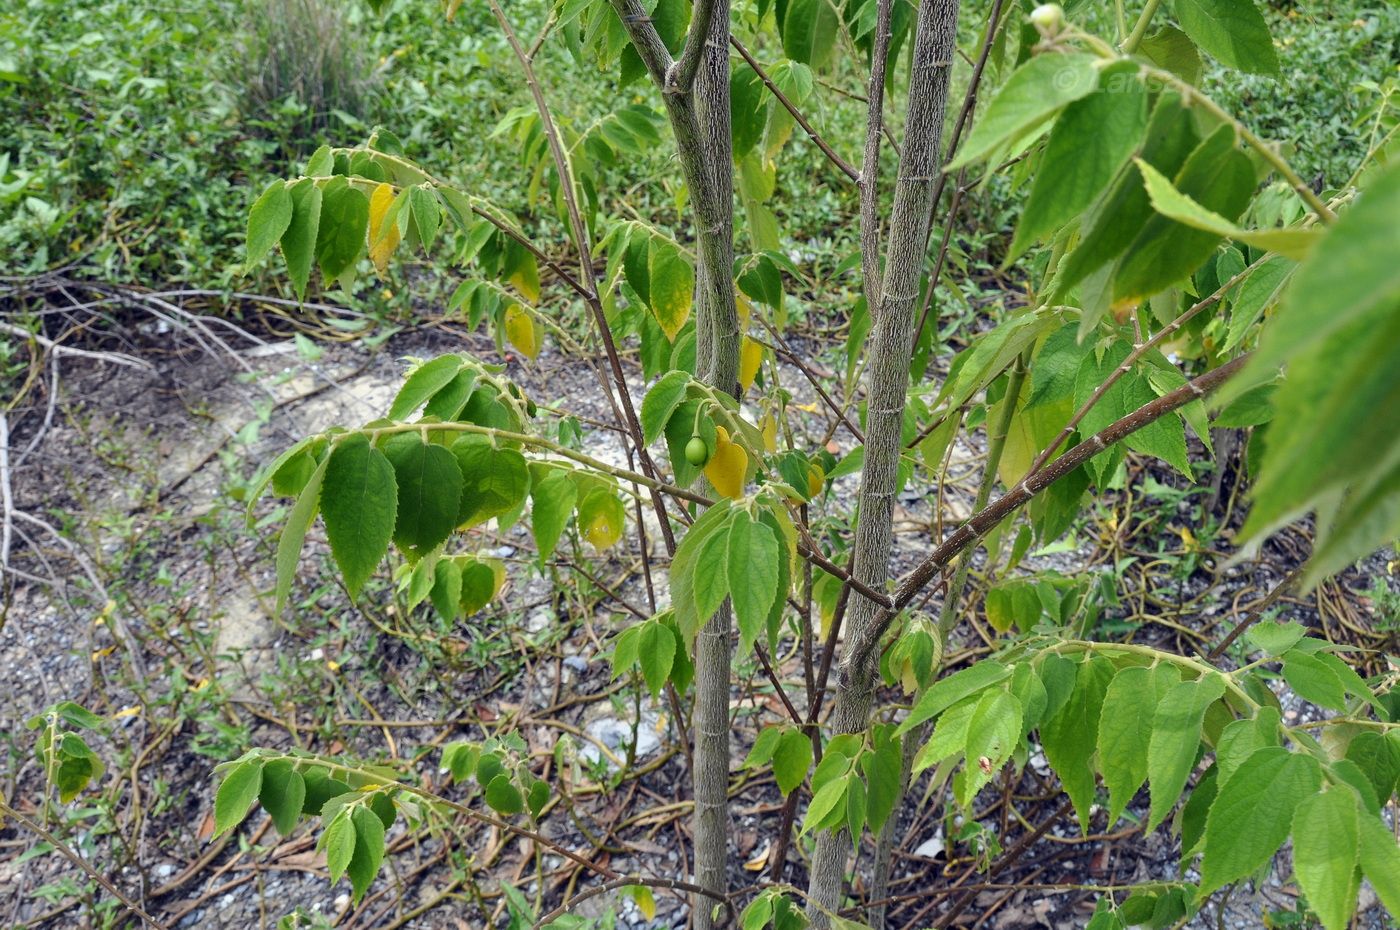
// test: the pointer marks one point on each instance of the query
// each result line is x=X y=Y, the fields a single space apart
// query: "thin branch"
x=986 y=519
x=68 y=853
x=788 y=105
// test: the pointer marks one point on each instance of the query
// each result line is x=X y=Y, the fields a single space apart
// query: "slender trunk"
x=717 y=364
x=887 y=379
x=699 y=117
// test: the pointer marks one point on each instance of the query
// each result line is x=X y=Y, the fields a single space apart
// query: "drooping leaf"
x=753 y=576
x=552 y=499
x=1125 y=730
x=429 y=492
x=1176 y=733
x=359 y=502
x=656 y=650
x=1252 y=814
x=427 y=379
x=340 y=238
x=1089 y=145
x=369 y=850
x=268 y=220
x=236 y=794
x=672 y=280
x=339 y=843
x=1233 y=31
x=282 y=793
x=948 y=691
x=299 y=238
x=1071 y=736
x=792 y=756
x=1326 y=850
x=293 y=535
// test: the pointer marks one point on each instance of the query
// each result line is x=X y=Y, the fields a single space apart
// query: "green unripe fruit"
x=1048 y=18
x=697 y=452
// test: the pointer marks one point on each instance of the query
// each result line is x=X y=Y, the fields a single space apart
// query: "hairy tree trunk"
x=887 y=380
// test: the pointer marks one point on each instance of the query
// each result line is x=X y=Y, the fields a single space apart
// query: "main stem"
x=887 y=381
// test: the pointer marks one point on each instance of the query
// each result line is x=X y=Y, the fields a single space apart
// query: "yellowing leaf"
x=750 y=357
x=603 y=529
x=672 y=285
x=383 y=238
x=526 y=278
x=769 y=427
x=745 y=308
x=727 y=465
x=523 y=331
x=646 y=903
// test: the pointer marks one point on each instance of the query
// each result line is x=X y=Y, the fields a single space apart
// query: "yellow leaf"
x=523 y=331
x=769 y=426
x=727 y=465
x=750 y=357
x=602 y=530
x=526 y=278
x=383 y=238
x=745 y=309
x=816 y=478
x=646 y=903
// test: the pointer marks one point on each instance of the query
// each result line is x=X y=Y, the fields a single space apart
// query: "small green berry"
x=697 y=452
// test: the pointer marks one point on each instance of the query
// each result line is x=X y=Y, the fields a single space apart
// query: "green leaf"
x=339 y=843
x=1233 y=31
x=1313 y=680
x=369 y=850
x=1252 y=812
x=1334 y=330
x=1172 y=50
x=1120 y=215
x=282 y=794
x=429 y=492
x=792 y=756
x=809 y=30
x=1071 y=736
x=494 y=481
x=656 y=651
x=684 y=567
x=340 y=239
x=949 y=735
x=1125 y=730
x=478 y=586
x=320 y=788
x=552 y=500
x=672 y=285
x=712 y=572
x=1380 y=861
x=321 y=163
x=268 y=219
x=1033 y=94
x=503 y=797
x=948 y=691
x=1257 y=293
x=427 y=214
x=1220 y=178
x=236 y=794
x=294 y=534
x=1292 y=243
x=1352 y=274
x=1326 y=850
x=1243 y=738
x=299 y=239
x=1176 y=733
x=661 y=402
x=883 y=766
x=1090 y=143
x=753 y=575
x=1165 y=438
x=1274 y=638
x=992 y=734
x=427 y=379
x=359 y=500
x=446 y=592
x=1379 y=758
